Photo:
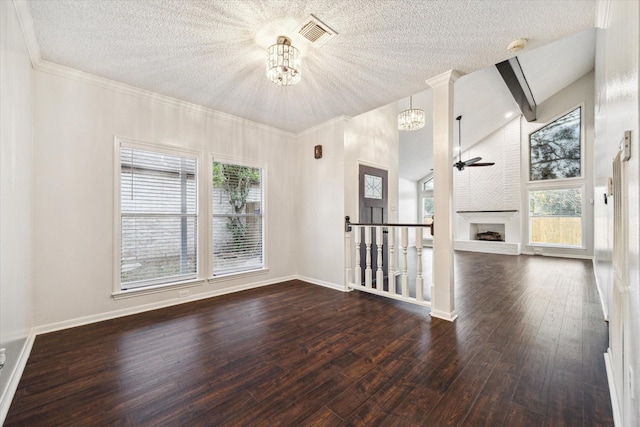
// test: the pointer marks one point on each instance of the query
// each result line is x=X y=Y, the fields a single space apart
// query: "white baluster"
x=419 y=281
x=368 y=275
x=357 y=275
x=392 y=260
x=379 y=272
x=405 y=275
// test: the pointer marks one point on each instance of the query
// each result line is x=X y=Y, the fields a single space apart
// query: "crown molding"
x=336 y=120
x=92 y=79
x=26 y=22
x=602 y=13
x=25 y=19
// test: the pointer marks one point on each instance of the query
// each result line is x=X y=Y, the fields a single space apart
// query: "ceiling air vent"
x=315 y=31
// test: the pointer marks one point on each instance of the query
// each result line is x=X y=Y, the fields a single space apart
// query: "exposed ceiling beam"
x=515 y=80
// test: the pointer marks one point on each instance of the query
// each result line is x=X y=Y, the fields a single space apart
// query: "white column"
x=442 y=290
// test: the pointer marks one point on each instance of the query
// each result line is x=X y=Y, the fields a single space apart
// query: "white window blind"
x=237 y=221
x=158 y=206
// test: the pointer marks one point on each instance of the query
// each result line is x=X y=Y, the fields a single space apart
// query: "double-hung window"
x=237 y=218
x=158 y=216
x=556 y=183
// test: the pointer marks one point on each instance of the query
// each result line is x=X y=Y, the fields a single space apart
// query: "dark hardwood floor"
x=527 y=350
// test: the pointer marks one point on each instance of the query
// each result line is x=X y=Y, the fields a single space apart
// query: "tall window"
x=237 y=218
x=158 y=217
x=555 y=149
x=556 y=183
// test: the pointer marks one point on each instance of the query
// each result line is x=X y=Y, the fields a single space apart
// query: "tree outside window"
x=237 y=218
x=555 y=149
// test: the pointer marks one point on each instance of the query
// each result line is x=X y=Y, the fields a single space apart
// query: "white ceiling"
x=212 y=53
x=483 y=100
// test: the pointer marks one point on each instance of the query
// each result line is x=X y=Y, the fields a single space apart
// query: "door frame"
x=356 y=179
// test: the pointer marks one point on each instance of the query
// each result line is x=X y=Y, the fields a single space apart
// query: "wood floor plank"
x=566 y=402
x=533 y=388
x=526 y=350
x=597 y=406
x=488 y=410
x=520 y=416
x=460 y=397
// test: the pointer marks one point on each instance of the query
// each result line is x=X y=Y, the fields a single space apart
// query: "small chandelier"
x=411 y=119
x=283 y=63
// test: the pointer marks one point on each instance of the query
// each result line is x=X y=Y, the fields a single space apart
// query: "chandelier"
x=283 y=63
x=411 y=119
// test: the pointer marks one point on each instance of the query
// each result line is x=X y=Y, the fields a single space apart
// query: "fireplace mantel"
x=471 y=214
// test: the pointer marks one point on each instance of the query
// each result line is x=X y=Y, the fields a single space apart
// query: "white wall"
x=76 y=120
x=408 y=202
x=409 y=206
x=617 y=110
x=494 y=187
x=372 y=139
x=581 y=92
x=319 y=189
x=16 y=168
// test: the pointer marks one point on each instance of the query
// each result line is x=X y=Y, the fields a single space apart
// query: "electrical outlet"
x=3 y=357
x=183 y=293
x=537 y=251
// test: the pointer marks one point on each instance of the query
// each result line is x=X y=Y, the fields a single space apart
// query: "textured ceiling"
x=212 y=53
x=485 y=103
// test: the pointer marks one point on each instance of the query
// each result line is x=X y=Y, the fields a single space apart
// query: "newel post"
x=347 y=253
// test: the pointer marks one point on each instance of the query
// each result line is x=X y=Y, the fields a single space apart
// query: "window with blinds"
x=237 y=223
x=158 y=214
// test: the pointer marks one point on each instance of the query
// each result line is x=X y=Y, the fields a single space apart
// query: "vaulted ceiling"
x=485 y=103
x=212 y=53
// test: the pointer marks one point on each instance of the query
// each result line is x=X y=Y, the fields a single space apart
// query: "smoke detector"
x=517 y=45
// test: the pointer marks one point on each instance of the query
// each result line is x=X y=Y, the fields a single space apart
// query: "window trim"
x=557 y=184
x=221 y=158
x=117 y=291
x=422 y=193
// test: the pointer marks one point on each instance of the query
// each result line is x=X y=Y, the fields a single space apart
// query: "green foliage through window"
x=237 y=217
x=561 y=202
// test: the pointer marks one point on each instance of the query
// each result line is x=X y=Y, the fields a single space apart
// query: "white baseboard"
x=558 y=255
x=80 y=321
x=329 y=285
x=605 y=309
x=14 y=376
x=615 y=404
x=444 y=315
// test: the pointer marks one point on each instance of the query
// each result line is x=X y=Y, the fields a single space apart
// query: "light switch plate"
x=625 y=146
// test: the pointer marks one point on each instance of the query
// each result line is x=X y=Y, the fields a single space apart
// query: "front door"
x=372 y=184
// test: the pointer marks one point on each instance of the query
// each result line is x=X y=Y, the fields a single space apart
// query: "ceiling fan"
x=471 y=162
